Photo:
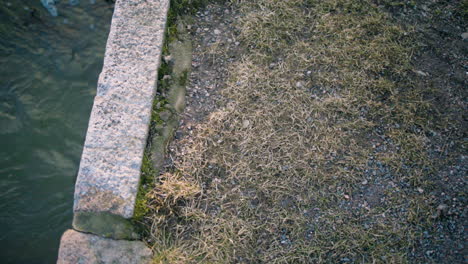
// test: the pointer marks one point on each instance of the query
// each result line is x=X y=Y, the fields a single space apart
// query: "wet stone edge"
x=105 y=229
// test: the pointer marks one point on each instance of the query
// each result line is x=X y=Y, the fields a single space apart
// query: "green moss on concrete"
x=169 y=102
x=148 y=174
x=105 y=224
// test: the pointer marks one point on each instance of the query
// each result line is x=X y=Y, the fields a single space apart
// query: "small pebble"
x=421 y=73
x=167 y=58
x=442 y=210
x=464 y=36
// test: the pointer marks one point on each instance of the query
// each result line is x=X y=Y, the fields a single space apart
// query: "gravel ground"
x=214 y=48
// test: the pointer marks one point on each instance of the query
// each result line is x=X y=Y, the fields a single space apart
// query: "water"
x=48 y=74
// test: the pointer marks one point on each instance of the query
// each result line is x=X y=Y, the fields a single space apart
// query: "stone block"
x=81 y=248
x=110 y=165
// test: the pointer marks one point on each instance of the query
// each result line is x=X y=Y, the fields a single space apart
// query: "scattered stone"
x=464 y=36
x=217 y=31
x=442 y=211
x=50 y=6
x=179 y=134
x=421 y=73
x=345 y=260
x=245 y=123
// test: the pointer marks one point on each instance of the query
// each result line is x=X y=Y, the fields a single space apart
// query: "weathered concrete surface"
x=110 y=165
x=105 y=224
x=80 y=248
x=181 y=52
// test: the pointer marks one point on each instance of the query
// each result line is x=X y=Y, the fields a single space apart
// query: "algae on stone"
x=105 y=225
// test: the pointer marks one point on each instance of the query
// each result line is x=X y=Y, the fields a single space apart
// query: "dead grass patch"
x=317 y=151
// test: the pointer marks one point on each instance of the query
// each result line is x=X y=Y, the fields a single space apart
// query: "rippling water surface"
x=48 y=73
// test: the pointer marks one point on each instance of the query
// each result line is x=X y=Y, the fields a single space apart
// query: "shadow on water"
x=48 y=74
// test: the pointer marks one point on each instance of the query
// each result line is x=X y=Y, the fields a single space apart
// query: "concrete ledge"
x=110 y=165
x=76 y=247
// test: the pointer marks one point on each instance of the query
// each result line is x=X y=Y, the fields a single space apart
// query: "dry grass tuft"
x=172 y=189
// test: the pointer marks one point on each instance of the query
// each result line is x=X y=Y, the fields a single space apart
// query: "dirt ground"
x=319 y=132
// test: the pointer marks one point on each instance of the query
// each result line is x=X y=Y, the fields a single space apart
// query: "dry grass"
x=318 y=151
x=171 y=189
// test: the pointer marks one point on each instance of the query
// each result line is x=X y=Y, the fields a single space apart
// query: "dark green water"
x=48 y=74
